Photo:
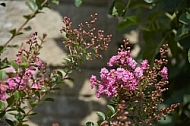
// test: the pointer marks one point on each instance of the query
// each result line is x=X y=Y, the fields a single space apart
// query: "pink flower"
x=10 y=70
x=11 y=83
x=120 y=72
x=35 y=86
x=144 y=64
x=138 y=72
x=131 y=62
x=3 y=89
x=113 y=61
x=164 y=72
x=103 y=73
x=93 y=81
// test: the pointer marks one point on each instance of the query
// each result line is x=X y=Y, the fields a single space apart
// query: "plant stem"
x=21 y=27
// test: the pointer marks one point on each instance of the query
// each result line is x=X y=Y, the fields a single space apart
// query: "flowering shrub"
x=136 y=90
x=24 y=82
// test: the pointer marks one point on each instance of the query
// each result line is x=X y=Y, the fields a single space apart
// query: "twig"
x=21 y=27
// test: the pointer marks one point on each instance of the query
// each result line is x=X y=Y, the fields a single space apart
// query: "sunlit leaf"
x=185 y=18
x=32 y=5
x=118 y=8
x=89 y=124
x=78 y=3
x=14 y=64
x=101 y=115
x=111 y=108
x=16 y=95
x=149 y=1
x=55 y=1
x=2 y=105
x=2 y=75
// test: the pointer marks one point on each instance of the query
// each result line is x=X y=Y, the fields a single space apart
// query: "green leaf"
x=189 y=55
x=21 y=110
x=89 y=124
x=2 y=75
x=13 y=32
x=59 y=73
x=78 y=3
x=27 y=17
x=14 y=64
x=24 y=58
x=55 y=1
x=2 y=105
x=49 y=99
x=24 y=65
x=128 y=22
x=34 y=113
x=37 y=93
x=185 y=40
x=185 y=18
x=118 y=8
x=33 y=104
x=3 y=4
x=16 y=95
x=2 y=113
x=101 y=115
x=111 y=108
x=32 y=5
x=27 y=28
x=10 y=100
x=13 y=46
x=149 y=1
x=1 y=49
x=10 y=122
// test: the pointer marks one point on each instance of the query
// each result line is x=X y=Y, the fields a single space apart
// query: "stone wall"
x=76 y=103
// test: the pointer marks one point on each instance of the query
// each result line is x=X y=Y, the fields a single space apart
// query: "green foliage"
x=89 y=124
x=78 y=3
x=2 y=75
x=161 y=21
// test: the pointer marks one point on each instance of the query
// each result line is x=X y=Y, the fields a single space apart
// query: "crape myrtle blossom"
x=164 y=72
x=126 y=76
x=27 y=74
x=135 y=89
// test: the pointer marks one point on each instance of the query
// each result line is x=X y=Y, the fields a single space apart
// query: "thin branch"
x=21 y=27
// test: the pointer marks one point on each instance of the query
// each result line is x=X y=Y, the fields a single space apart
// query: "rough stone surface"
x=76 y=103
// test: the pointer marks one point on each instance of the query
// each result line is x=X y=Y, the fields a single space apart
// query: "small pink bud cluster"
x=86 y=41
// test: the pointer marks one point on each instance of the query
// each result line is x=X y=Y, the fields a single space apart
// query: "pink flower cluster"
x=26 y=73
x=26 y=78
x=125 y=77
